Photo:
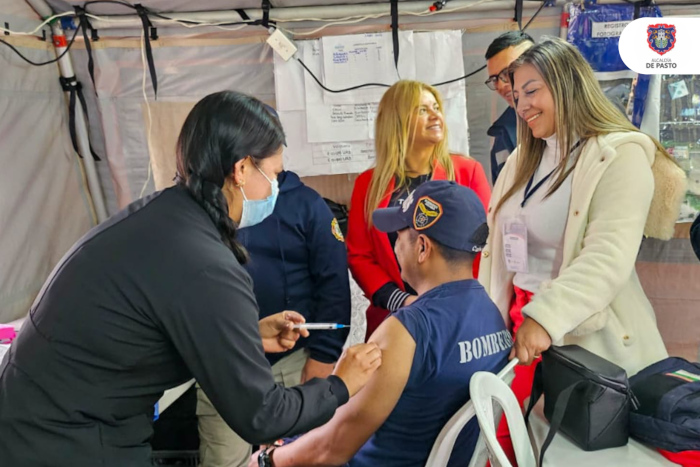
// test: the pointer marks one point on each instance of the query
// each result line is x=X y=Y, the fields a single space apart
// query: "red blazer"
x=370 y=256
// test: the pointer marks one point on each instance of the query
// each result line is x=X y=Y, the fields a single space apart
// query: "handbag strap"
x=559 y=407
x=536 y=392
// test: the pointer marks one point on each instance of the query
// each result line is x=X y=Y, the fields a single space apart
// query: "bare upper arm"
x=353 y=424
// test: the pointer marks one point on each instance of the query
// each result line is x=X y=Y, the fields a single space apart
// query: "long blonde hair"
x=582 y=111
x=395 y=120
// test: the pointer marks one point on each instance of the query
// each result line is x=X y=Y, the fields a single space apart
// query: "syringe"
x=320 y=326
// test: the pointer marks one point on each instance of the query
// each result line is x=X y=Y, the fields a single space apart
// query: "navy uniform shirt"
x=458 y=331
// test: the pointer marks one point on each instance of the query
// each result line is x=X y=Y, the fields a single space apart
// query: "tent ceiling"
x=60 y=6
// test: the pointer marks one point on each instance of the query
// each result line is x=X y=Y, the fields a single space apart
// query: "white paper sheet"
x=308 y=159
x=289 y=84
x=314 y=62
x=438 y=59
x=333 y=123
x=457 y=126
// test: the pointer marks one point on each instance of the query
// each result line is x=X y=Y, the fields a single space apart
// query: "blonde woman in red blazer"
x=411 y=148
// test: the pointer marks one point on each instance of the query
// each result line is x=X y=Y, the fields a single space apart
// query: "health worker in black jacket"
x=299 y=262
x=157 y=295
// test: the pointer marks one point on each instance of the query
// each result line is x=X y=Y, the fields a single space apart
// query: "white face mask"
x=257 y=210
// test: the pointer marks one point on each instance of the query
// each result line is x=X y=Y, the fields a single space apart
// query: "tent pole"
x=65 y=66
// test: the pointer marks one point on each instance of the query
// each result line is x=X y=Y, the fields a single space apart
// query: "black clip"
x=94 y=36
x=7 y=26
x=43 y=35
x=69 y=83
x=154 y=33
x=266 y=13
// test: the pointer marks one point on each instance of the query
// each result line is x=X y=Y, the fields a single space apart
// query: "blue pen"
x=320 y=326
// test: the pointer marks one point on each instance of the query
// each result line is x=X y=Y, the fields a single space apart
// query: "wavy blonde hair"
x=582 y=110
x=396 y=119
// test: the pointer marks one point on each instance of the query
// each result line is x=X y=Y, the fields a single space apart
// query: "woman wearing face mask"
x=411 y=148
x=298 y=262
x=157 y=295
x=568 y=214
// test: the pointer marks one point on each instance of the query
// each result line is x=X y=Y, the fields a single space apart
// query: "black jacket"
x=142 y=303
x=299 y=262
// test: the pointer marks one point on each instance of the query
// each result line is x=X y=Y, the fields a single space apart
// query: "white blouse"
x=545 y=219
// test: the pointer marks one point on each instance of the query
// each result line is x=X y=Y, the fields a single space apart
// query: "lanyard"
x=529 y=192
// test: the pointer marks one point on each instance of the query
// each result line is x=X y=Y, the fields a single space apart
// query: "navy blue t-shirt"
x=458 y=331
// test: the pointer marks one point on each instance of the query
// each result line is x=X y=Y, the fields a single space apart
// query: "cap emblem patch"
x=427 y=212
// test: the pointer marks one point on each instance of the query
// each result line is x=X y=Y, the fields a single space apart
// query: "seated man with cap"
x=430 y=348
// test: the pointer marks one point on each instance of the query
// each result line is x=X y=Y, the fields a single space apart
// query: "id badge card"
x=515 y=244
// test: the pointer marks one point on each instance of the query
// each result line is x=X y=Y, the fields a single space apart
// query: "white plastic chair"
x=444 y=443
x=485 y=389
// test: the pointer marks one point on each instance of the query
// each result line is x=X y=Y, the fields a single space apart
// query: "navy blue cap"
x=445 y=211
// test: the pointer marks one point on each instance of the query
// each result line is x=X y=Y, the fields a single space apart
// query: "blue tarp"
x=602 y=52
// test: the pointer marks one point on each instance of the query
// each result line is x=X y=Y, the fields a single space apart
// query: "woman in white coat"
x=568 y=214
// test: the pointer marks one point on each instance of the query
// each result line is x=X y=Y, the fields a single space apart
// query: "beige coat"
x=620 y=191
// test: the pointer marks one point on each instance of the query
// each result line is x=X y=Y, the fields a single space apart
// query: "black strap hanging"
x=75 y=89
x=266 y=13
x=149 y=33
x=559 y=406
x=519 y=13
x=244 y=16
x=84 y=25
x=395 y=30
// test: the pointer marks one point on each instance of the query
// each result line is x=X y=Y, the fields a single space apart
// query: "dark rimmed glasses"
x=493 y=79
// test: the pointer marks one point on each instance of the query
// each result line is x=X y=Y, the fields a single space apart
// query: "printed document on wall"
x=308 y=159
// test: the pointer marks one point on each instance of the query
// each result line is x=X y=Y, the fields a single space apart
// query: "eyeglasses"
x=502 y=77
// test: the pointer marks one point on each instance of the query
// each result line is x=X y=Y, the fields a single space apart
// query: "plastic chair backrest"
x=444 y=443
x=485 y=389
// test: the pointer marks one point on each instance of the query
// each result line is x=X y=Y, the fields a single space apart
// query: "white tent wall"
x=194 y=62
x=43 y=208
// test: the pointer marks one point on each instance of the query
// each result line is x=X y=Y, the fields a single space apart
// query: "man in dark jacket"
x=501 y=53
x=298 y=262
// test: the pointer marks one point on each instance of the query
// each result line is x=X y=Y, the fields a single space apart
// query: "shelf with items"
x=679 y=132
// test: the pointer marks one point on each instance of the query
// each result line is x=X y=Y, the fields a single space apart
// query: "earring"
x=238 y=185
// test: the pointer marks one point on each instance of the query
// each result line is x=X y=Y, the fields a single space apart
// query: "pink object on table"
x=7 y=334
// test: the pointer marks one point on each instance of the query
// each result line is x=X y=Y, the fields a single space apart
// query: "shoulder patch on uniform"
x=427 y=212
x=335 y=228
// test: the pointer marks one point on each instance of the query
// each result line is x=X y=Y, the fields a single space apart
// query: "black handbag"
x=587 y=397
